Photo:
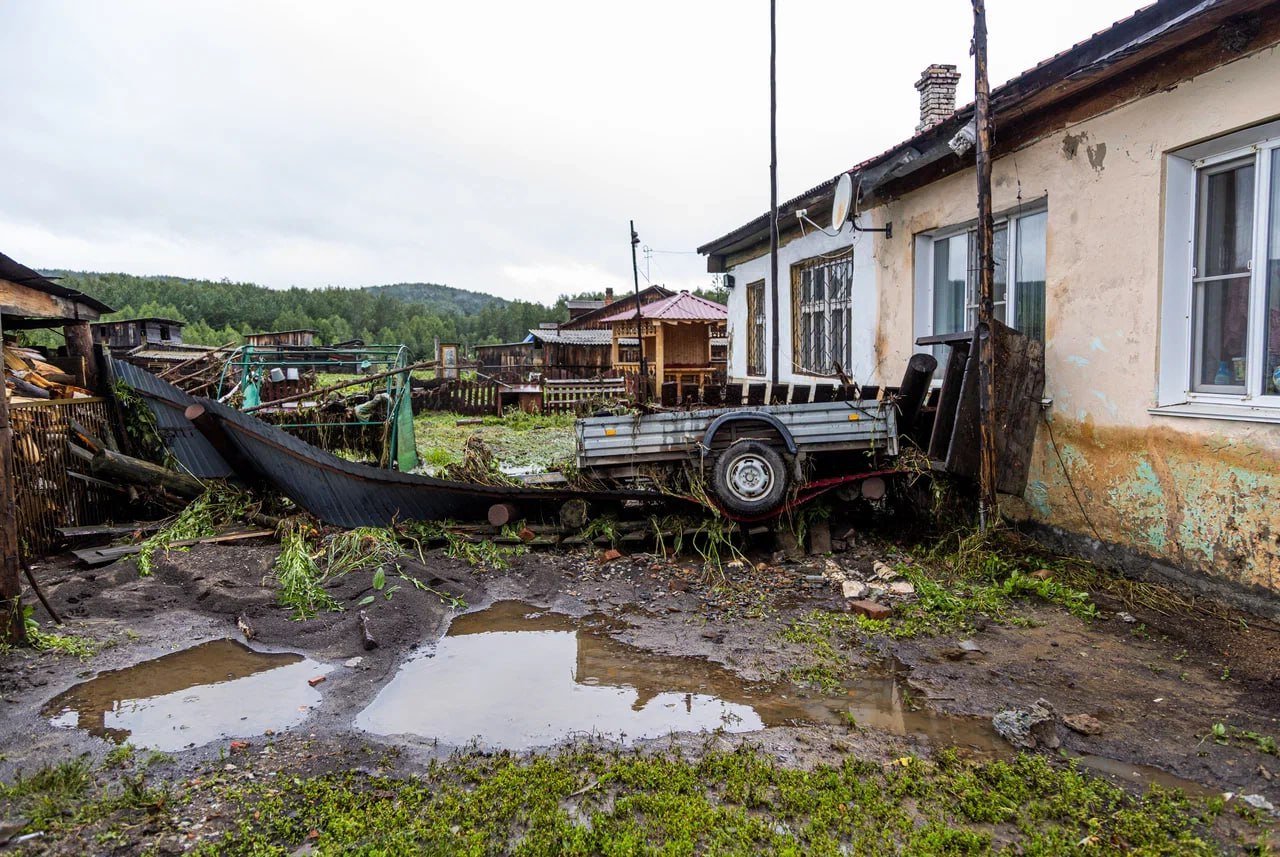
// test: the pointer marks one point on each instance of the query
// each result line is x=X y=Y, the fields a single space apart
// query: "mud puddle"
x=219 y=689
x=514 y=677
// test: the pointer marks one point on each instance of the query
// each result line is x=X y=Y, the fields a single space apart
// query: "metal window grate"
x=822 y=316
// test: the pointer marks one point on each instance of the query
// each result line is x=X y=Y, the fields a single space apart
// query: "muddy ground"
x=1157 y=680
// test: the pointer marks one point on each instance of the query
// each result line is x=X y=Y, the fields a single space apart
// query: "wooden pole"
x=13 y=629
x=773 y=185
x=643 y=390
x=986 y=273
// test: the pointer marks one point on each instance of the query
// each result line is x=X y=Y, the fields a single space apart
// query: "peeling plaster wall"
x=1202 y=494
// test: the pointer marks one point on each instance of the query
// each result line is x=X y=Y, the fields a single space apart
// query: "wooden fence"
x=566 y=397
x=53 y=487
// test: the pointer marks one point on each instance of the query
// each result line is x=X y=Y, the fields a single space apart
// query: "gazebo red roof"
x=681 y=307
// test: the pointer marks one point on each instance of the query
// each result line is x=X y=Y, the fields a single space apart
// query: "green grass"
x=743 y=802
x=219 y=506
x=517 y=440
x=301 y=581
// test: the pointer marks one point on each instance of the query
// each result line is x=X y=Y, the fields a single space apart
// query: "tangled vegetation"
x=217 y=507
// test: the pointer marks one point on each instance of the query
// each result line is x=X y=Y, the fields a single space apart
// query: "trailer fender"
x=757 y=416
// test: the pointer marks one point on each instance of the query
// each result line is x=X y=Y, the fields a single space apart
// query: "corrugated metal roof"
x=168 y=403
x=573 y=337
x=584 y=304
x=178 y=353
x=347 y=494
x=682 y=307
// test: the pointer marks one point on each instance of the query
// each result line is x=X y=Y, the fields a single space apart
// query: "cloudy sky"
x=494 y=146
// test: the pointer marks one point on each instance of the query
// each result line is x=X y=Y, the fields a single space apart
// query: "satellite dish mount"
x=842 y=206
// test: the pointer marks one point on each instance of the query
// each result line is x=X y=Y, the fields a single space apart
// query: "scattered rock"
x=1259 y=802
x=882 y=571
x=1084 y=724
x=819 y=537
x=316 y=680
x=610 y=555
x=717 y=637
x=870 y=609
x=839 y=545
x=245 y=628
x=239 y=745
x=902 y=588
x=677 y=585
x=1029 y=728
x=1266 y=775
x=1126 y=617
x=352 y=663
x=1042 y=574
x=969 y=646
x=854 y=589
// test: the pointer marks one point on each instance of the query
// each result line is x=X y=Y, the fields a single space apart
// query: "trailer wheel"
x=750 y=478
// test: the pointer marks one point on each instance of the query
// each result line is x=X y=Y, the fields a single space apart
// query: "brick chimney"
x=937 y=87
x=608 y=295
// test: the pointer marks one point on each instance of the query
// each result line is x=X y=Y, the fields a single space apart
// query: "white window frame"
x=925 y=260
x=1175 y=393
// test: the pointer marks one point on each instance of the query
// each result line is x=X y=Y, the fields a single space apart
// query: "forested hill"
x=439 y=298
x=410 y=313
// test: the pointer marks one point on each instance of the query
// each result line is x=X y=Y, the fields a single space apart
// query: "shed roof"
x=573 y=337
x=19 y=274
x=172 y=321
x=682 y=307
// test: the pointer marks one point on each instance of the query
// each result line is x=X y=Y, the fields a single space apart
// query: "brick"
x=870 y=609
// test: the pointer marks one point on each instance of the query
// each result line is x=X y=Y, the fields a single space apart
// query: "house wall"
x=1197 y=493
x=790 y=252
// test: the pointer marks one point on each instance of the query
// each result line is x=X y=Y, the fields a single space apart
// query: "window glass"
x=1221 y=282
x=1029 y=264
x=755 y=328
x=950 y=275
x=1271 y=310
x=1000 y=284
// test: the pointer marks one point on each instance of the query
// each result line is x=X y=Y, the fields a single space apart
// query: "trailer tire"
x=750 y=478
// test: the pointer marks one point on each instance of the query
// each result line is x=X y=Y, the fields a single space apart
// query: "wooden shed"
x=676 y=333
x=125 y=334
x=303 y=338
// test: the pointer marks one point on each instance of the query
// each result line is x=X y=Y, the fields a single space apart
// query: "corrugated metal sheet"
x=682 y=307
x=180 y=437
x=573 y=337
x=347 y=494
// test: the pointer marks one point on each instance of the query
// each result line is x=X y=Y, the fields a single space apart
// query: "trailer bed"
x=613 y=441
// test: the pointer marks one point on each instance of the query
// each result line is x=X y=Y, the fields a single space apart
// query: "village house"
x=1136 y=191
x=123 y=334
x=581 y=347
x=676 y=333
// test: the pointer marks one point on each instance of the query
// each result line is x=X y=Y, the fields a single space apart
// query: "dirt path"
x=1155 y=685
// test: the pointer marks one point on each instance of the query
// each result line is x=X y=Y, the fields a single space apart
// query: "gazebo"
x=676 y=333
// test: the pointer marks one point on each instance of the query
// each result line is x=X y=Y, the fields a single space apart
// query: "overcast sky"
x=493 y=146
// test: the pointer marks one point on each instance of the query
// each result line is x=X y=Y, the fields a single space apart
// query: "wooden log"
x=79 y=340
x=123 y=467
x=501 y=514
x=573 y=514
x=915 y=386
x=366 y=635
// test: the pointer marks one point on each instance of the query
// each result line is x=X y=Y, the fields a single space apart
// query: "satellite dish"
x=842 y=201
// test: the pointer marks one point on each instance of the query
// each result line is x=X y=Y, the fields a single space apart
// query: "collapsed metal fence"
x=51 y=491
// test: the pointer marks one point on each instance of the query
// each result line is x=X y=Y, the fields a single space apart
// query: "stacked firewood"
x=28 y=378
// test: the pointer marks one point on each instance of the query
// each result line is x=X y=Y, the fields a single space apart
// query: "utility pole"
x=643 y=391
x=773 y=185
x=986 y=273
x=14 y=628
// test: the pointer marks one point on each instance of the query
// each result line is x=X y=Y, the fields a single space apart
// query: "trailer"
x=753 y=455
x=760 y=458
